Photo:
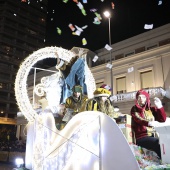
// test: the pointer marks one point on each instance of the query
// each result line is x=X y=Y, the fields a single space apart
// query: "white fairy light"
x=21 y=78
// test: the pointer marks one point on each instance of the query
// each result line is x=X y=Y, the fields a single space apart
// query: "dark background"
x=128 y=19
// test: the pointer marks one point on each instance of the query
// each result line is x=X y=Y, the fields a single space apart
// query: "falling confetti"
x=98 y=16
x=95 y=58
x=81 y=7
x=160 y=3
x=108 y=65
x=108 y=47
x=59 y=31
x=65 y=1
x=147 y=26
x=131 y=69
x=113 y=5
x=77 y=32
x=93 y=10
x=83 y=12
x=96 y=21
x=84 y=27
x=84 y=42
x=75 y=1
x=71 y=27
x=78 y=28
x=85 y=1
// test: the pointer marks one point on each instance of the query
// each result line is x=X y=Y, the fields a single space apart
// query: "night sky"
x=128 y=19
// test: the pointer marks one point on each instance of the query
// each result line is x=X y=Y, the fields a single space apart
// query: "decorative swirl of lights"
x=21 y=78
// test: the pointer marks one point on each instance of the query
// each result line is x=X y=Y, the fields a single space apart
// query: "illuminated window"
x=121 y=85
x=146 y=79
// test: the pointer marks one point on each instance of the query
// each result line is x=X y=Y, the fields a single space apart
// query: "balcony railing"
x=153 y=92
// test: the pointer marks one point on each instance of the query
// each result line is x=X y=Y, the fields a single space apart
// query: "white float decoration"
x=21 y=78
x=93 y=135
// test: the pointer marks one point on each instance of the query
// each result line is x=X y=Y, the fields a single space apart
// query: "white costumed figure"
x=90 y=140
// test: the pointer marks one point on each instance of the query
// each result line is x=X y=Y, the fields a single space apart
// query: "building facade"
x=138 y=62
x=146 y=68
x=22 y=31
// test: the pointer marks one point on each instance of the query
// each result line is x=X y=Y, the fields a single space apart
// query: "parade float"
x=90 y=140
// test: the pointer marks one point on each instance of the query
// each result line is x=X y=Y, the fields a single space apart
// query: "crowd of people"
x=8 y=140
x=13 y=146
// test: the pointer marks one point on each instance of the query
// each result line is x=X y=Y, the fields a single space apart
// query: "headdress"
x=147 y=104
x=105 y=86
x=102 y=92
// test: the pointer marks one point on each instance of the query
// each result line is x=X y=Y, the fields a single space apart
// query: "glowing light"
x=107 y=14
x=21 y=78
x=19 y=162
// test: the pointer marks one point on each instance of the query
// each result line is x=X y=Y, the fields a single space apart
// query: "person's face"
x=141 y=99
x=77 y=94
x=104 y=98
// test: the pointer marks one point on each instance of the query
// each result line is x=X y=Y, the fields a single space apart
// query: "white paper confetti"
x=147 y=26
x=109 y=65
x=108 y=47
x=130 y=69
x=160 y=3
x=95 y=58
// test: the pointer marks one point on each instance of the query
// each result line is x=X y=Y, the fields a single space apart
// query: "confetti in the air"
x=71 y=27
x=160 y=3
x=78 y=28
x=77 y=32
x=98 y=16
x=75 y=1
x=81 y=7
x=84 y=27
x=59 y=31
x=84 y=41
x=148 y=26
x=96 y=21
x=108 y=65
x=130 y=69
x=93 y=10
x=83 y=12
x=113 y=5
x=95 y=58
x=85 y=1
x=108 y=47
x=65 y=1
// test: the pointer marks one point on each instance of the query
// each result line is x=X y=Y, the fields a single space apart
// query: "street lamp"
x=107 y=15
